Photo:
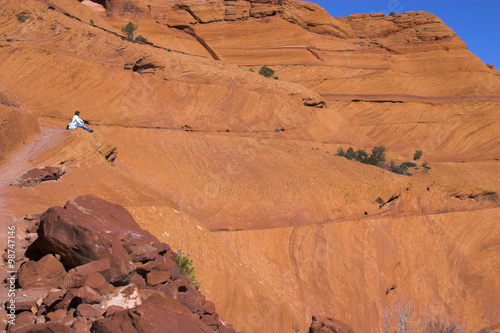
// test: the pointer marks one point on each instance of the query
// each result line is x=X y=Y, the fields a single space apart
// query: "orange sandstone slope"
x=242 y=170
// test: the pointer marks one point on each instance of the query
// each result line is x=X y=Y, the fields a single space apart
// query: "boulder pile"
x=89 y=267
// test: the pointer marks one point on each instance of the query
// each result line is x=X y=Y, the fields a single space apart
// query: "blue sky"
x=476 y=22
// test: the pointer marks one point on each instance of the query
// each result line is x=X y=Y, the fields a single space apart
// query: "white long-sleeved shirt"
x=77 y=120
x=74 y=121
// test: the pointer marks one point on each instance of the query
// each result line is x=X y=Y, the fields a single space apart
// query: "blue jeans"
x=84 y=127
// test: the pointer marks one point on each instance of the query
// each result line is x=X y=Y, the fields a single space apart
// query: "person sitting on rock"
x=77 y=122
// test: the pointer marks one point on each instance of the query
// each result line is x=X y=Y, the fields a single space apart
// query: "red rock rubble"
x=93 y=269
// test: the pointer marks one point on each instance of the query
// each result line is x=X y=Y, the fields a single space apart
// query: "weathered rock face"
x=174 y=14
x=312 y=17
x=404 y=33
x=241 y=169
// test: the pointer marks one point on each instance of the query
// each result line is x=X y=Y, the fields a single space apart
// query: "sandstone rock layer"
x=213 y=158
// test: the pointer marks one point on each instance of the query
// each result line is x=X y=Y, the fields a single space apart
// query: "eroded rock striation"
x=210 y=156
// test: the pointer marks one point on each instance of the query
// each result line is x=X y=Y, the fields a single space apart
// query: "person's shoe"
x=91 y=131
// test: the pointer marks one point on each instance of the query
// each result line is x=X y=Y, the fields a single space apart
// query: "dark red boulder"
x=80 y=326
x=29 y=299
x=102 y=267
x=208 y=307
x=139 y=249
x=113 y=309
x=149 y=318
x=23 y=319
x=183 y=291
x=139 y=281
x=46 y=272
x=209 y=320
x=167 y=265
x=89 y=295
x=35 y=176
x=157 y=277
x=159 y=299
x=97 y=282
x=79 y=239
x=69 y=300
x=54 y=297
x=45 y=328
x=161 y=247
x=87 y=310
x=56 y=315
x=111 y=217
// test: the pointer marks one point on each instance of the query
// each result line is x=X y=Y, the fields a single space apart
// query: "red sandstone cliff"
x=212 y=157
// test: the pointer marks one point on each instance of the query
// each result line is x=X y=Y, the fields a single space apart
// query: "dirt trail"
x=18 y=163
x=20 y=160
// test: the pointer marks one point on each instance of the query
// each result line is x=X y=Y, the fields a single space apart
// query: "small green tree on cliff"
x=266 y=71
x=185 y=266
x=417 y=155
x=129 y=30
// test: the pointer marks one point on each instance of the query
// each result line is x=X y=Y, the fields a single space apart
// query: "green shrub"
x=349 y=154
x=23 y=16
x=417 y=155
x=408 y=165
x=141 y=39
x=397 y=168
x=185 y=266
x=129 y=30
x=372 y=160
x=362 y=156
x=392 y=13
x=92 y=21
x=376 y=158
x=379 y=153
x=401 y=169
x=266 y=71
x=276 y=78
x=251 y=70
